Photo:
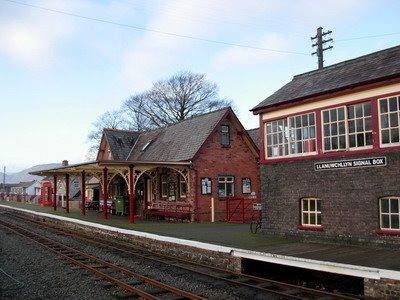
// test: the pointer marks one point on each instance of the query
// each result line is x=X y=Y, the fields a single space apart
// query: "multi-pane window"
x=311 y=211
x=347 y=127
x=389 y=212
x=389 y=109
x=334 y=129
x=206 y=186
x=277 y=135
x=164 y=186
x=226 y=186
x=182 y=187
x=302 y=134
x=360 y=125
x=225 y=136
x=292 y=136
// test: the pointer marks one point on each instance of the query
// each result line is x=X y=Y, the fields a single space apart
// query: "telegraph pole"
x=320 y=45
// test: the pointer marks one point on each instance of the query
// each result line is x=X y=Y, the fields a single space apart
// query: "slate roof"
x=178 y=142
x=373 y=67
x=121 y=142
x=255 y=135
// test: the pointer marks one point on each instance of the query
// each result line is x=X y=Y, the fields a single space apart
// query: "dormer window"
x=225 y=135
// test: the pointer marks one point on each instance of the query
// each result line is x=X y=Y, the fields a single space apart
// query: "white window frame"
x=380 y=125
x=309 y=212
x=346 y=124
x=286 y=131
x=389 y=213
x=228 y=179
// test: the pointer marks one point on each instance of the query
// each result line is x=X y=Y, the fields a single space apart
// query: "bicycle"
x=255 y=224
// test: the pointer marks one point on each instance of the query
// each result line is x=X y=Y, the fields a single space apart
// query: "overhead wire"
x=166 y=33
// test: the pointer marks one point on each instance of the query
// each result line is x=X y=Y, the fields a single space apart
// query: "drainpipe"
x=195 y=194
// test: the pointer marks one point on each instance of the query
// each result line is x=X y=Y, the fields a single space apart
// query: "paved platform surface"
x=239 y=236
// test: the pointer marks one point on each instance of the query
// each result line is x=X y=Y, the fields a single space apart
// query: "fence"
x=20 y=198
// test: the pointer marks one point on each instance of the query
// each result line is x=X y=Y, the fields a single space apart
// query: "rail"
x=121 y=277
x=288 y=291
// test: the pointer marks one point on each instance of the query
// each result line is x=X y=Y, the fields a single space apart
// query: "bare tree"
x=111 y=119
x=135 y=118
x=169 y=101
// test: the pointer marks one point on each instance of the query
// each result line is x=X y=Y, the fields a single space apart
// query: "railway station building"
x=330 y=152
x=184 y=171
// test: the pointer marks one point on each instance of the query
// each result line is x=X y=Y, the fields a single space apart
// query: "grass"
x=219 y=233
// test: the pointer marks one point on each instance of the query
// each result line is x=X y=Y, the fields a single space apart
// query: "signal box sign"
x=351 y=163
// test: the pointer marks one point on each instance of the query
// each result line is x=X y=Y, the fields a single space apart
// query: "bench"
x=164 y=214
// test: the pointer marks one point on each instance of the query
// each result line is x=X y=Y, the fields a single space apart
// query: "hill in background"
x=24 y=176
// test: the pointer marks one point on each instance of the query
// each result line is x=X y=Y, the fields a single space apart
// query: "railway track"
x=131 y=282
x=263 y=285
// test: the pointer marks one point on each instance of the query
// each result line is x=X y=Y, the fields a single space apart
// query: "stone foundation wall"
x=212 y=258
x=382 y=288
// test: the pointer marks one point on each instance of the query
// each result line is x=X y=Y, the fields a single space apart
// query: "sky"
x=59 y=72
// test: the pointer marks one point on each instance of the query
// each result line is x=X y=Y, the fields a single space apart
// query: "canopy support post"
x=55 y=192
x=105 y=193
x=131 y=195
x=83 y=193
x=67 y=193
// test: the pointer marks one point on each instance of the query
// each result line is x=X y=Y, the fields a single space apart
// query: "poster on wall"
x=246 y=185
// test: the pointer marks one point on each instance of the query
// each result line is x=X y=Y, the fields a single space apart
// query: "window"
x=225 y=136
x=311 y=212
x=226 y=186
x=277 y=136
x=246 y=185
x=302 y=134
x=389 y=212
x=164 y=186
x=347 y=127
x=360 y=125
x=206 y=186
x=292 y=136
x=182 y=187
x=334 y=129
x=389 y=110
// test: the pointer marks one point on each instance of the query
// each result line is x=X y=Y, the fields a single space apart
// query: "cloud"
x=29 y=36
x=32 y=37
x=153 y=55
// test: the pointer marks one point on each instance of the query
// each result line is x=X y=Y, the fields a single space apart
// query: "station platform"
x=236 y=240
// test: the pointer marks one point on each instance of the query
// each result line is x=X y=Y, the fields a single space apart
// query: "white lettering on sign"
x=351 y=163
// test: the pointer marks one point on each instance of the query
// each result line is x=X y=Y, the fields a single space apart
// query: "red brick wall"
x=214 y=160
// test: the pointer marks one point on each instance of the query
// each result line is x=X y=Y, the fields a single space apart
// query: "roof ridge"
x=188 y=119
x=124 y=130
x=256 y=128
x=344 y=62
